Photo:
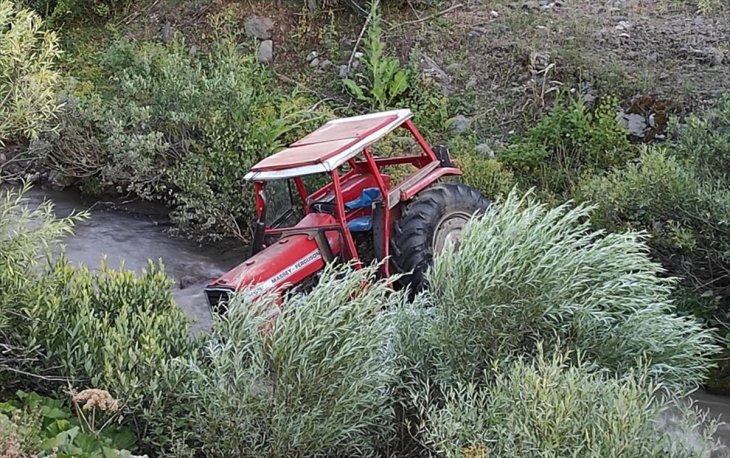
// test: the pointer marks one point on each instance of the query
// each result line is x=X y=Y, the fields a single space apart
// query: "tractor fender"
x=284 y=263
x=407 y=194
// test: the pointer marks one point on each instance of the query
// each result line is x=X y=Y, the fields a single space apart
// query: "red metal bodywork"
x=303 y=250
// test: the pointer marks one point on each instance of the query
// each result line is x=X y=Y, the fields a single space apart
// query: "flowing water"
x=133 y=240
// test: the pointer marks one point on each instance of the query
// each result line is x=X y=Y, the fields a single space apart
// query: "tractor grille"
x=218 y=299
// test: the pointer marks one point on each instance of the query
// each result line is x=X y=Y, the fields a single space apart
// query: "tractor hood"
x=286 y=262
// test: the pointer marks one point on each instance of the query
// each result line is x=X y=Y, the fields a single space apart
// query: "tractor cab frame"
x=359 y=198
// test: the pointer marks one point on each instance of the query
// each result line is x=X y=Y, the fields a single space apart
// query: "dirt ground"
x=501 y=62
x=511 y=57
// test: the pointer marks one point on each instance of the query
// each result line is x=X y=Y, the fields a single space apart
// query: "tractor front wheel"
x=427 y=224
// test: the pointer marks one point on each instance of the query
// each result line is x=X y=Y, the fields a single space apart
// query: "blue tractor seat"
x=366 y=199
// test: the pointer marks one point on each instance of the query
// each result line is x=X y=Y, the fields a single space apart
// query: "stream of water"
x=133 y=240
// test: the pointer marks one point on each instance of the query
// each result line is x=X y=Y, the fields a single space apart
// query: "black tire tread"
x=411 y=244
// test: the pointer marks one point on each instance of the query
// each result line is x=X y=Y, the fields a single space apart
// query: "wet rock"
x=166 y=34
x=459 y=124
x=430 y=68
x=718 y=56
x=453 y=68
x=485 y=150
x=314 y=62
x=187 y=281
x=636 y=124
x=342 y=71
x=258 y=27
x=588 y=93
x=311 y=56
x=623 y=26
x=57 y=181
x=265 y=53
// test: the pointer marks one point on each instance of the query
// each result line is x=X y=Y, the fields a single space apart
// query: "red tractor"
x=358 y=215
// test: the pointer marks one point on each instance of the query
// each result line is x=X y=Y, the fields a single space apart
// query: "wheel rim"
x=448 y=231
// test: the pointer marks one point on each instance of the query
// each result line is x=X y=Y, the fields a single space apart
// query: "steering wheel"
x=322 y=206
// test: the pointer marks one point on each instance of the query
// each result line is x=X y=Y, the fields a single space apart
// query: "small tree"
x=28 y=78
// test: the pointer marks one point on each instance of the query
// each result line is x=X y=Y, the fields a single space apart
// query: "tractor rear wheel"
x=427 y=224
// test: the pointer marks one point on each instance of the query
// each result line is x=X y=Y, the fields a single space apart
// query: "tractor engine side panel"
x=287 y=262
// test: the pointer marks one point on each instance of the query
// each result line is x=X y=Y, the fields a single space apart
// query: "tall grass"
x=551 y=407
x=525 y=273
x=317 y=383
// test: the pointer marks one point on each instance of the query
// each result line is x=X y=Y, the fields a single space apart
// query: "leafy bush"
x=525 y=274
x=178 y=127
x=686 y=214
x=63 y=10
x=568 y=142
x=35 y=423
x=121 y=330
x=108 y=329
x=552 y=408
x=27 y=236
x=486 y=174
x=317 y=383
x=28 y=78
x=704 y=141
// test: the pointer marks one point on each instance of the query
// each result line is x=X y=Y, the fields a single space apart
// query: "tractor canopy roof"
x=328 y=147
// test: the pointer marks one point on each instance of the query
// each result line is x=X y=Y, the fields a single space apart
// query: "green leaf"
x=121 y=438
x=55 y=413
x=399 y=84
x=6 y=407
x=58 y=426
x=62 y=439
x=354 y=89
x=113 y=453
x=88 y=443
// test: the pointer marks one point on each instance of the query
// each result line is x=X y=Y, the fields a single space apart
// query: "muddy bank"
x=132 y=239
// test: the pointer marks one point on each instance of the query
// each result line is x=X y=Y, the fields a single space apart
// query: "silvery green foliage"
x=27 y=236
x=553 y=408
x=28 y=75
x=316 y=383
x=525 y=273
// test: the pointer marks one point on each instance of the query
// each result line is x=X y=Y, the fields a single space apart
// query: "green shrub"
x=317 y=384
x=685 y=213
x=486 y=174
x=525 y=274
x=107 y=329
x=551 y=408
x=71 y=10
x=704 y=141
x=27 y=236
x=28 y=77
x=570 y=141
x=178 y=127
x=121 y=331
x=34 y=423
